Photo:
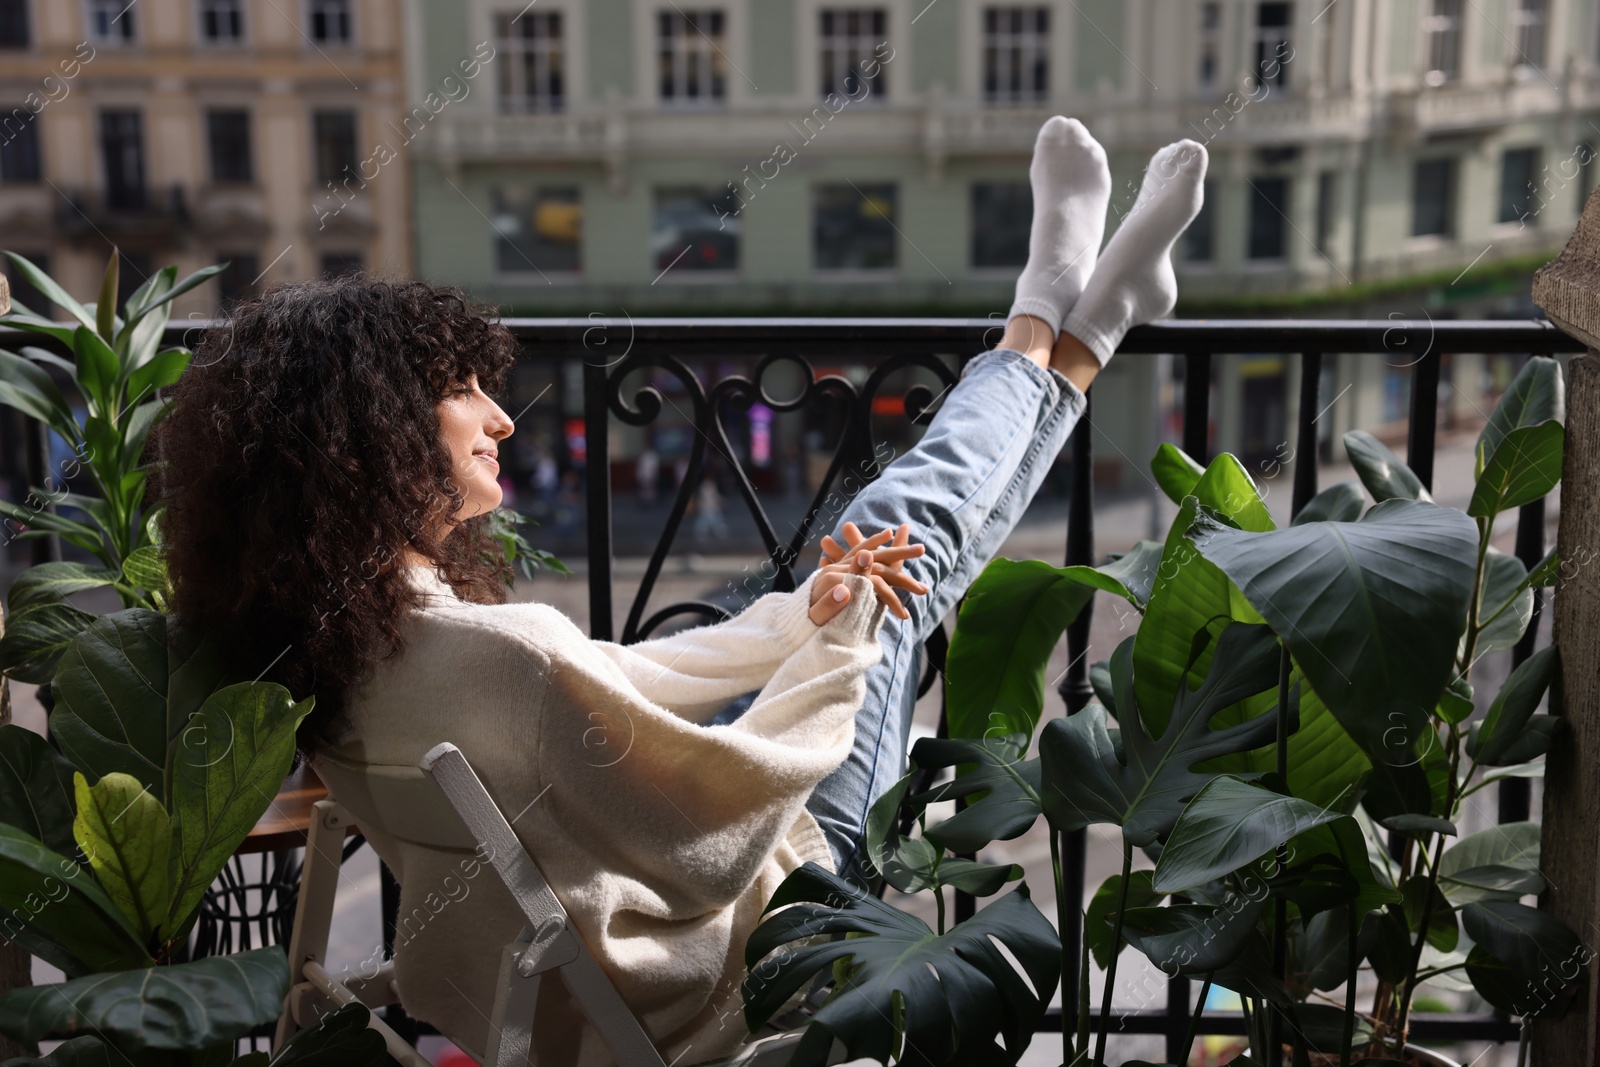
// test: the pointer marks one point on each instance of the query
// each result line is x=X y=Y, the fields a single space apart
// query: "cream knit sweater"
x=664 y=837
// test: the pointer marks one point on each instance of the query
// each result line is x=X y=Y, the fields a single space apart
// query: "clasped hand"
x=877 y=557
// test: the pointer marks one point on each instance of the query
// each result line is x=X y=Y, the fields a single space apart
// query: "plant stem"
x=938 y=897
x=1349 y=1037
x=1402 y=1017
x=1280 y=905
x=1194 y=1021
x=1061 y=920
x=1116 y=951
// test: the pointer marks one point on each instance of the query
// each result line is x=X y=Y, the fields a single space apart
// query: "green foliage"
x=505 y=526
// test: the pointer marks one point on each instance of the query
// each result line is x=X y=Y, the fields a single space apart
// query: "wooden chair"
x=443 y=804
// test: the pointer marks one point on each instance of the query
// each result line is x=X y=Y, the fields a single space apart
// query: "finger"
x=904 y=581
x=890 y=600
x=892 y=555
x=857 y=539
x=832 y=549
x=830 y=604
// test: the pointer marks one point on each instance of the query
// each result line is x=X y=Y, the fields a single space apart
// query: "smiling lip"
x=489 y=457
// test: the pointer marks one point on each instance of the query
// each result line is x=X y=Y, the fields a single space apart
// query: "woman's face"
x=471 y=426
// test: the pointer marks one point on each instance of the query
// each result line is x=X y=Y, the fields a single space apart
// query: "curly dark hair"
x=301 y=456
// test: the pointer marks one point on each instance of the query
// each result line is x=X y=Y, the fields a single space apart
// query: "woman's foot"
x=1071 y=189
x=1133 y=282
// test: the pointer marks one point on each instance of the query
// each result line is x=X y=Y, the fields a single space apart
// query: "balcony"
x=141 y=216
x=231 y=212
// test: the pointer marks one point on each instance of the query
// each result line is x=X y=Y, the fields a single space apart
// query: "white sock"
x=1071 y=189
x=1133 y=282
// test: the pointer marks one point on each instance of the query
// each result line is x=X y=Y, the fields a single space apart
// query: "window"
x=14 y=24
x=1442 y=29
x=222 y=21
x=229 y=133
x=1528 y=26
x=1433 y=195
x=1269 y=214
x=122 y=148
x=1518 y=166
x=848 y=37
x=1200 y=239
x=19 y=146
x=111 y=21
x=532 y=73
x=330 y=21
x=339 y=264
x=853 y=227
x=1272 y=44
x=689 y=49
x=238 y=278
x=538 y=230
x=1016 y=54
x=1327 y=193
x=1210 y=45
x=1002 y=215
x=335 y=135
x=695 y=229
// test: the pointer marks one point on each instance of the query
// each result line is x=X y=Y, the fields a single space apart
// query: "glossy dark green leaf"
x=1443 y=931
x=1383 y=473
x=49 y=583
x=1507 y=718
x=125 y=689
x=1525 y=467
x=1541 y=958
x=1337 y=503
x=37 y=638
x=79 y=1052
x=180 y=1006
x=1175 y=472
x=1335 y=854
x=1321 y=1028
x=1371 y=610
x=1143 y=791
x=36 y=789
x=1194 y=939
x=954 y=993
x=226 y=768
x=1098 y=929
x=1491 y=883
x=1010 y=801
x=1419 y=826
x=58 y=901
x=1536 y=395
x=1483 y=866
x=1228 y=825
x=1321 y=953
x=914 y=864
x=1456 y=704
x=1008 y=624
x=1547 y=571
x=1507 y=604
x=1536 y=740
x=340 y=1039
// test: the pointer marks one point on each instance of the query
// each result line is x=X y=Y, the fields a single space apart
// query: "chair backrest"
x=403 y=802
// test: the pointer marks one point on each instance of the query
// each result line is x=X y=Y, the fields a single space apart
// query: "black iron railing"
x=611 y=349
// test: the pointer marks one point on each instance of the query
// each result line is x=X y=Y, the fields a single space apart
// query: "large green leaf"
x=97 y=369
x=57 y=911
x=1228 y=825
x=1507 y=718
x=1536 y=395
x=1007 y=785
x=1007 y=625
x=1194 y=939
x=163 y=369
x=1144 y=787
x=226 y=768
x=1190 y=592
x=125 y=689
x=1383 y=473
x=1337 y=503
x=29 y=388
x=1099 y=931
x=949 y=995
x=37 y=638
x=1371 y=610
x=914 y=864
x=340 y=1039
x=50 y=583
x=182 y=1006
x=1330 y=865
x=125 y=833
x=1525 y=467
x=1500 y=863
x=1523 y=960
x=1175 y=471
x=47 y=287
x=36 y=789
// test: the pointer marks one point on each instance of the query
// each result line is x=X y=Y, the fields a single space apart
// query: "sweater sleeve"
x=695 y=672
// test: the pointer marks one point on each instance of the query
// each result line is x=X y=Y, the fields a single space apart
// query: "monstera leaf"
x=1390 y=593
x=125 y=690
x=912 y=864
x=1008 y=783
x=1143 y=784
x=944 y=998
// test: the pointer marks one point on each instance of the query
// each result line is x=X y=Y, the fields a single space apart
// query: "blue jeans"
x=962 y=488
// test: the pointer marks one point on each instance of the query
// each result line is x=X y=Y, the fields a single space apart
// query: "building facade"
x=201 y=131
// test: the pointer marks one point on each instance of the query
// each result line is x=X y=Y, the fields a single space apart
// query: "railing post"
x=1568 y=290
x=597 y=475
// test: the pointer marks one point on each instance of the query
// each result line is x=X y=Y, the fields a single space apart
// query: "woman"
x=326 y=468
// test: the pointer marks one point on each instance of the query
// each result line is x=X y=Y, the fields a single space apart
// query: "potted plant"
x=1288 y=697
